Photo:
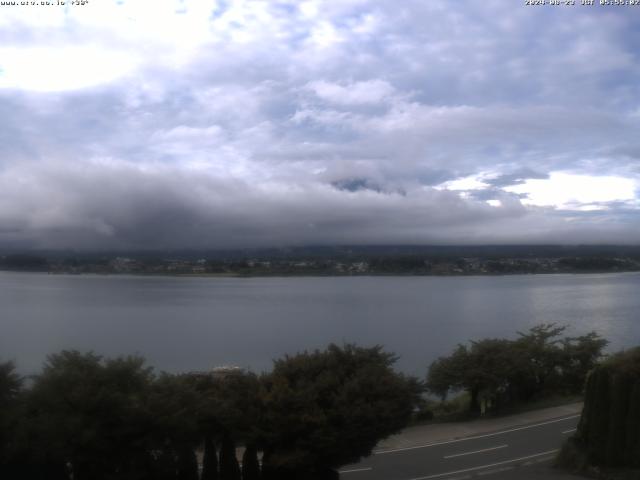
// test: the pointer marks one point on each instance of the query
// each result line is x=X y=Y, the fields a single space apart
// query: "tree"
x=187 y=463
x=234 y=404
x=483 y=370
x=540 y=359
x=491 y=365
x=446 y=373
x=10 y=384
x=608 y=433
x=10 y=390
x=209 y=460
x=229 y=468
x=328 y=408
x=581 y=355
x=499 y=372
x=89 y=413
x=229 y=408
x=250 y=464
x=228 y=404
x=175 y=408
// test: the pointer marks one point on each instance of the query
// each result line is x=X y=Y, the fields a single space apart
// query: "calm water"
x=196 y=323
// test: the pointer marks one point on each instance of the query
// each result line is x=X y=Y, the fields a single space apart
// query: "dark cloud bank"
x=339 y=128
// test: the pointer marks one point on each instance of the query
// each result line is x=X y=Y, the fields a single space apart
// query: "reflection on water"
x=195 y=323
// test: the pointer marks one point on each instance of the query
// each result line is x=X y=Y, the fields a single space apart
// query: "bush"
x=608 y=435
x=329 y=408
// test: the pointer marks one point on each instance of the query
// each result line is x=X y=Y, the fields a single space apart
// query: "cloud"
x=111 y=204
x=568 y=191
x=67 y=68
x=217 y=124
x=368 y=92
x=114 y=205
x=516 y=178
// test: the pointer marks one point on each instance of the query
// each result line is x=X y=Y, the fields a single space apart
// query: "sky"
x=136 y=124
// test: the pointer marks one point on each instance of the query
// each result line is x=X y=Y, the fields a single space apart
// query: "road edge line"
x=504 y=462
x=475 y=437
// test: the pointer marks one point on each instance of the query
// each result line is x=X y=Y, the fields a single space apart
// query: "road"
x=489 y=455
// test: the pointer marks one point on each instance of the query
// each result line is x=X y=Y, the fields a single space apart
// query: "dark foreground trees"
x=329 y=408
x=608 y=434
x=90 y=418
x=10 y=388
x=501 y=372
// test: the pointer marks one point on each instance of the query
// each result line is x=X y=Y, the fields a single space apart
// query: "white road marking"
x=496 y=470
x=383 y=452
x=477 y=451
x=356 y=470
x=570 y=431
x=540 y=460
x=482 y=467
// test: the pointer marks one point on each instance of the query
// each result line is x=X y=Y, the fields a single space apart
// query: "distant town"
x=337 y=261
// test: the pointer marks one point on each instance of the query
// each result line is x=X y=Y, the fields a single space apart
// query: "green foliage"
x=88 y=417
x=447 y=373
x=539 y=359
x=90 y=413
x=632 y=440
x=329 y=408
x=609 y=429
x=500 y=372
x=581 y=354
x=175 y=407
x=454 y=407
x=10 y=388
x=10 y=384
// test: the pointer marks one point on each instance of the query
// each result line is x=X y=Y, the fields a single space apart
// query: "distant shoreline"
x=459 y=262
x=316 y=275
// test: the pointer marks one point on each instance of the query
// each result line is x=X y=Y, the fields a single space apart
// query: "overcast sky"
x=197 y=123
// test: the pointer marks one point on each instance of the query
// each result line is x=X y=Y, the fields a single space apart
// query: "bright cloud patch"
x=52 y=70
x=473 y=182
x=579 y=192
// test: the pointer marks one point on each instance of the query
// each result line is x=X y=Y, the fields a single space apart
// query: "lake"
x=184 y=324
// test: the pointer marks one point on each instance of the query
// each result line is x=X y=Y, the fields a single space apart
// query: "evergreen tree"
x=164 y=465
x=632 y=440
x=621 y=386
x=10 y=389
x=599 y=418
x=229 y=468
x=250 y=464
x=209 y=460
x=187 y=464
x=609 y=428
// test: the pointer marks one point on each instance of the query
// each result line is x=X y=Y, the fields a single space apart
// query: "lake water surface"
x=182 y=324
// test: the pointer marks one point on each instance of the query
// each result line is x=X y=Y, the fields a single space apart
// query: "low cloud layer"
x=251 y=123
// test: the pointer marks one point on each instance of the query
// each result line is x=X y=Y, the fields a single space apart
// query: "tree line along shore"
x=323 y=265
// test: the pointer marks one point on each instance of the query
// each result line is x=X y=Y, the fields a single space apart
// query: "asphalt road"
x=495 y=454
